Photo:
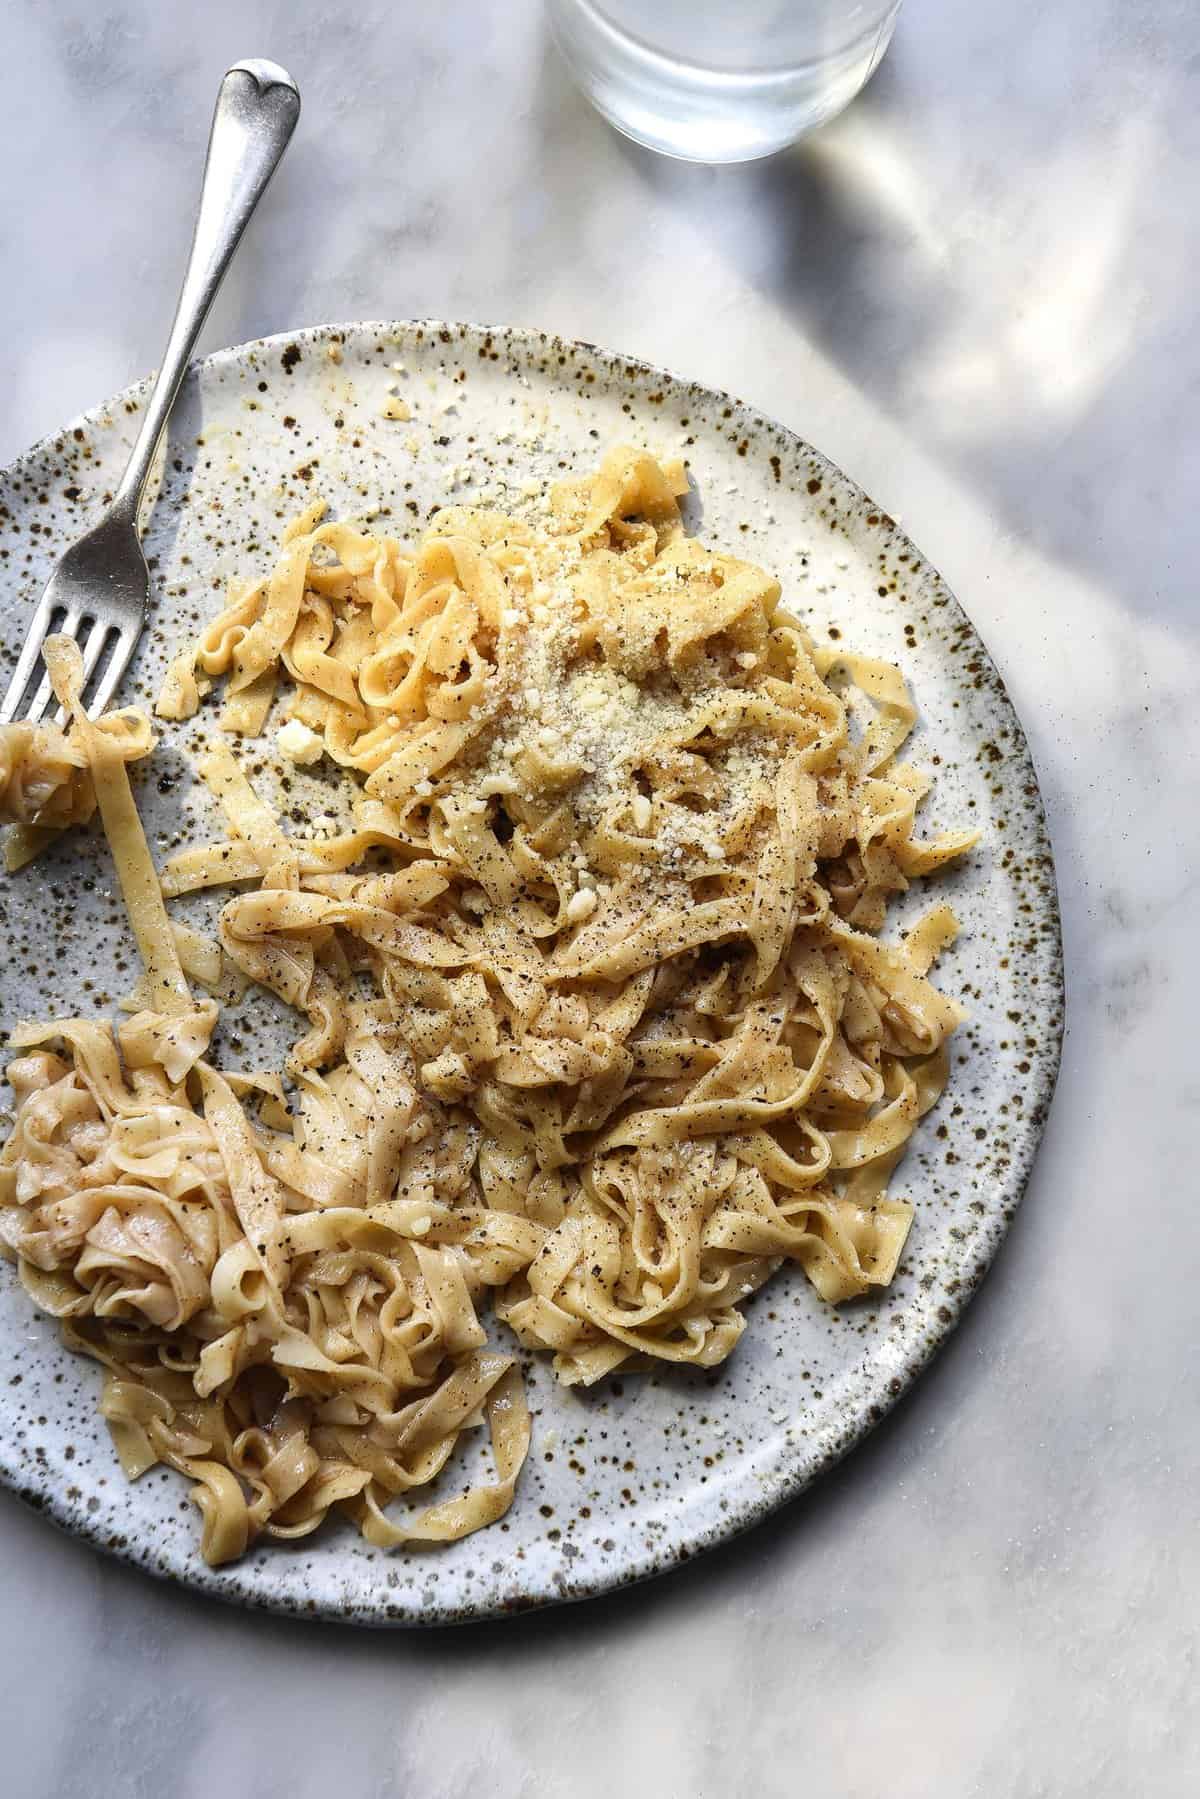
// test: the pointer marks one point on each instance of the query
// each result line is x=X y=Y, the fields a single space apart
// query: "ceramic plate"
x=641 y=1472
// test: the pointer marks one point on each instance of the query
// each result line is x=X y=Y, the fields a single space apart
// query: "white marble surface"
x=976 y=292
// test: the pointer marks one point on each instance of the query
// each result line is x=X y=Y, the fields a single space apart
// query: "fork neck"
x=127 y=500
x=126 y=503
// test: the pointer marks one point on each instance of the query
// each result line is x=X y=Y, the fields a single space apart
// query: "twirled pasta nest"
x=596 y=1015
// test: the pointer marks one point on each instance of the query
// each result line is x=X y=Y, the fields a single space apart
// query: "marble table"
x=976 y=293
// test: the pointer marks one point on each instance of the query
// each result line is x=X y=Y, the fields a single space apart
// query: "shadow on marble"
x=1029 y=324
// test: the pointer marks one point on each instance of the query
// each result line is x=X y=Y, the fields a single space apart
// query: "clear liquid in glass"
x=721 y=80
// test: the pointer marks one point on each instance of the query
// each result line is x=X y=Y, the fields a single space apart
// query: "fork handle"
x=256 y=112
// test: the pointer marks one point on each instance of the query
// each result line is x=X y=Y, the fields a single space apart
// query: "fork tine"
x=127 y=637
x=39 y=625
x=91 y=650
x=41 y=700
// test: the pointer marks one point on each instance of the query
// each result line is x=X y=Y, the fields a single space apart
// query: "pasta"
x=45 y=782
x=596 y=1020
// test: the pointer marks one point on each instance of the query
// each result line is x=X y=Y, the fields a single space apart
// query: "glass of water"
x=721 y=80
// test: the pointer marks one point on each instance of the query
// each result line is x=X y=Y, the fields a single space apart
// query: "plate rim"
x=793 y=1475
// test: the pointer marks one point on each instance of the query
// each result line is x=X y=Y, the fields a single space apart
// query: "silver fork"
x=102 y=582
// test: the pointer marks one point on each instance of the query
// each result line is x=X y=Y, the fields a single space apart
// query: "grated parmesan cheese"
x=298 y=743
x=581 y=905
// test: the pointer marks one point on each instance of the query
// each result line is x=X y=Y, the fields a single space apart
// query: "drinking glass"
x=721 y=80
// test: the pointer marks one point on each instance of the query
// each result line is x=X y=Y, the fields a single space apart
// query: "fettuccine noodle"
x=596 y=1018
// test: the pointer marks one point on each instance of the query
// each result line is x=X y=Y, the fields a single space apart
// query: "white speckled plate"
x=644 y=1471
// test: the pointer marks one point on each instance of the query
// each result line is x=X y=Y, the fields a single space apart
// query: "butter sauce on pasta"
x=597 y=1023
